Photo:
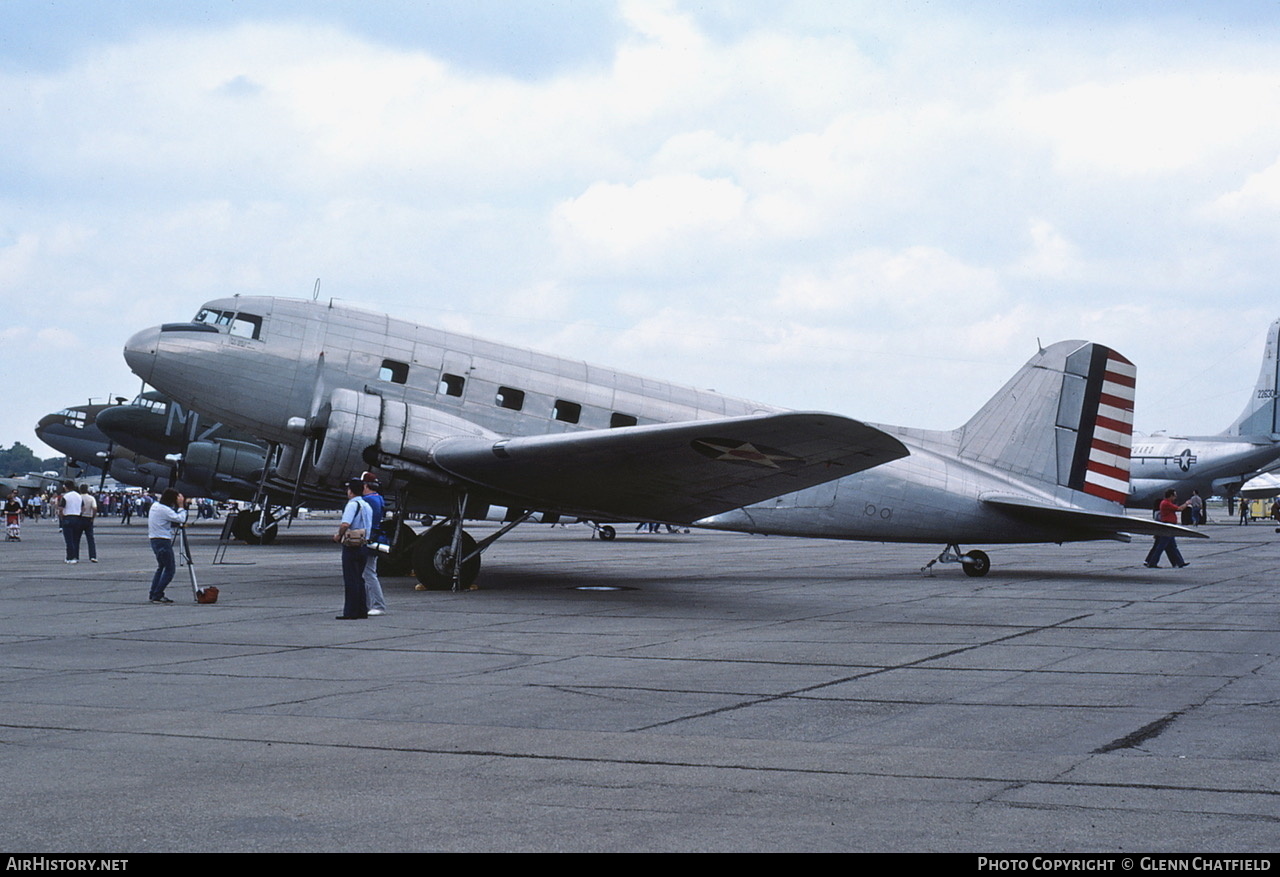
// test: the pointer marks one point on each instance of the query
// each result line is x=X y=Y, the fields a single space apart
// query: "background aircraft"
x=74 y=431
x=459 y=424
x=26 y=485
x=154 y=443
x=1213 y=465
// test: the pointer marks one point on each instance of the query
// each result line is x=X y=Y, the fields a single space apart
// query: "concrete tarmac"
x=737 y=693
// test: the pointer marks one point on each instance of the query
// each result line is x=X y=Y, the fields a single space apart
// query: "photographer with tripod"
x=167 y=515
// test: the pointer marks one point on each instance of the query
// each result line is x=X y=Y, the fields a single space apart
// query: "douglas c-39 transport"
x=457 y=424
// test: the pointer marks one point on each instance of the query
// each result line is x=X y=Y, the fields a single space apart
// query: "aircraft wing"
x=1083 y=519
x=678 y=472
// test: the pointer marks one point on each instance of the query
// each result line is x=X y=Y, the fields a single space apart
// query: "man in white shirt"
x=70 y=505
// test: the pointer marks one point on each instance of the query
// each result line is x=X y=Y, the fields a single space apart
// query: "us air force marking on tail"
x=456 y=424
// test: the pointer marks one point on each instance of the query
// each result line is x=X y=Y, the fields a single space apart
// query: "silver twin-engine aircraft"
x=456 y=424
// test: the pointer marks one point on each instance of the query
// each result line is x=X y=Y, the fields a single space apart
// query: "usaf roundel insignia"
x=735 y=451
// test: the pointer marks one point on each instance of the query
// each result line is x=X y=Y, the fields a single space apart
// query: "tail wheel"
x=976 y=564
x=433 y=560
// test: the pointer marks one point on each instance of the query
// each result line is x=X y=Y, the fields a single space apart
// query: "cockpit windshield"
x=151 y=404
x=235 y=323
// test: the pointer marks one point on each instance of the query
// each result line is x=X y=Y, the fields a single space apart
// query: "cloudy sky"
x=869 y=208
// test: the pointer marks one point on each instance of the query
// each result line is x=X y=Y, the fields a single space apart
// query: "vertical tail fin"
x=1066 y=418
x=1261 y=415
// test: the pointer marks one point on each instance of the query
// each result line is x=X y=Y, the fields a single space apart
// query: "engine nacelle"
x=214 y=464
x=367 y=430
x=150 y=476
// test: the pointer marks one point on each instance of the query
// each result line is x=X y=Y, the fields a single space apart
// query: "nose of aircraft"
x=42 y=428
x=140 y=351
x=122 y=421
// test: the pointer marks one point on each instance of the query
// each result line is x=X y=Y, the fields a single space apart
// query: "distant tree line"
x=20 y=459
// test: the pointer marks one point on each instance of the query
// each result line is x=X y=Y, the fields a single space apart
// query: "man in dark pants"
x=1169 y=509
x=356 y=516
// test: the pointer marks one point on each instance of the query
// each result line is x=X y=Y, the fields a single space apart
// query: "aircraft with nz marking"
x=457 y=425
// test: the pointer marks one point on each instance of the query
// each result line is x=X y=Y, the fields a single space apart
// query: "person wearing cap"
x=372 y=586
x=356 y=516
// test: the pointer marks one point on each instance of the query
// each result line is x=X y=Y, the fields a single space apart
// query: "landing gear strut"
x=434 y=559
x=447 y=558
x=256 y=527
x=975 y=563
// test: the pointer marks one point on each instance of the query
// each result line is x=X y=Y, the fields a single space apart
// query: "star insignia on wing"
x=734 y=451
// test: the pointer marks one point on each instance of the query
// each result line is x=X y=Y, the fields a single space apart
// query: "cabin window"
x=451 y=385
x=509 y=398
x=616 y=420
x=395 y=372
x=569 y=412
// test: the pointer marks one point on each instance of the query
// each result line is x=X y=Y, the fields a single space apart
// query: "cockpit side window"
x=246 y=326
x=239 y=324
x=72 y=418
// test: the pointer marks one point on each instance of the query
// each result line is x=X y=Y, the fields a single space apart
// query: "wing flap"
x=1043 y=513
x=677 y=472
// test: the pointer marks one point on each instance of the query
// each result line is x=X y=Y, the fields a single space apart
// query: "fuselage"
x=269 y=365
x=1207 y=464
x=155 y=426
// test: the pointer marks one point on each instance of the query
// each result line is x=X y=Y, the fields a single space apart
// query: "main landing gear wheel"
x=976 y=563
x=399 y=561
x=606 y=533
x=251 y=528
x=433 y=560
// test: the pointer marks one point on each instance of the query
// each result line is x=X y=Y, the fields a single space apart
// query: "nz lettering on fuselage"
x=183 y=422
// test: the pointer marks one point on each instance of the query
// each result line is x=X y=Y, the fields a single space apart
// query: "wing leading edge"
x=677 y=472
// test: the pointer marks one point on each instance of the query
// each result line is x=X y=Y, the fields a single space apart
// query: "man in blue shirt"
x=356 y=516
x=372 y=586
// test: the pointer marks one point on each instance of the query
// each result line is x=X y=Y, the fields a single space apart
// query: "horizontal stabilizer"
x=678 y=472
x=1035 y=512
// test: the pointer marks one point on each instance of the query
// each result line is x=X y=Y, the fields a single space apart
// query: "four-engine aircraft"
x=457 y=424
x=1218 y=464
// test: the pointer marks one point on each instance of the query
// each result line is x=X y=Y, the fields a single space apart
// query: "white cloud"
x=903 y=283
x=1150 y=124
x=858 y=193
x=1258 y=197
x=663 y=218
